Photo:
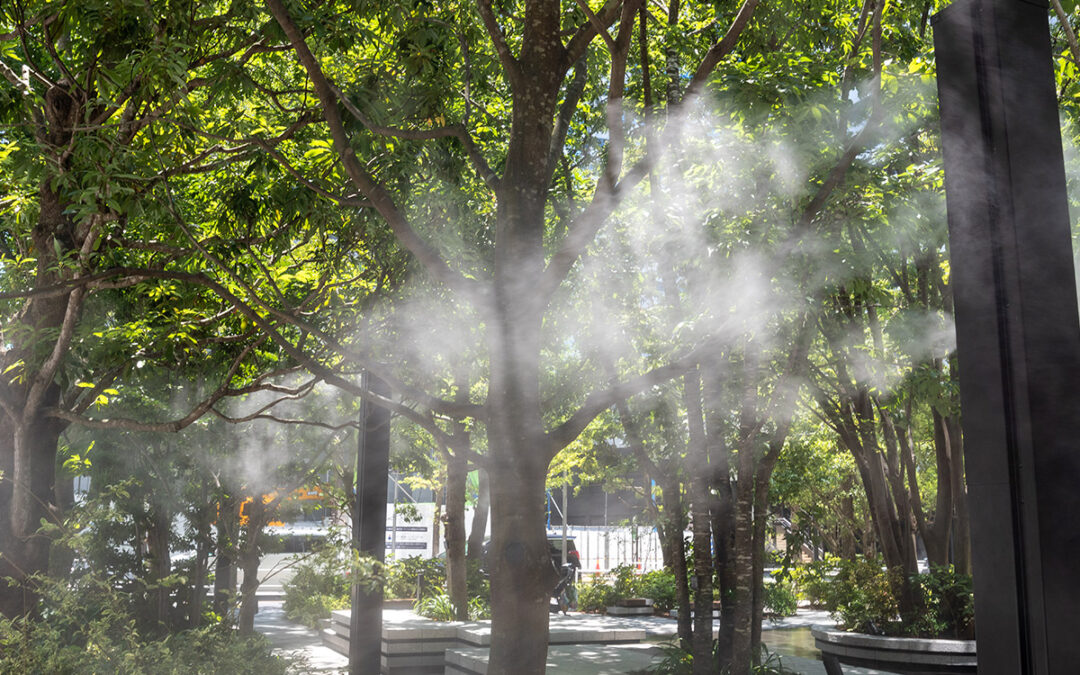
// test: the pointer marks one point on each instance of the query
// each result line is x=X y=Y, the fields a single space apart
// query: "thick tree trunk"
x=962 y=524
x=26 y=498
x=157 y=539
x=456 y=473
x=522 y=576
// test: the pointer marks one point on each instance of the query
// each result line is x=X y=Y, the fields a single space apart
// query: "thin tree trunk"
x=225 y=562
x=700 y=480
x=478 y=528
x=671 y=495
x=248 y=559
x=456 y=472
x=203 y=543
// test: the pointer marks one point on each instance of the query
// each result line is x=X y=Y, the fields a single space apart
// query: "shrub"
x=403 y=577
x=947 y=605
x=479 y=609
x=596 y=595
x=86 y=626
x=323 y=582
x=779 y=598
x=436 y=607
x=813 y=582
x=626 y=581
x=862 y=596
x=320 y=585
x=659 y=585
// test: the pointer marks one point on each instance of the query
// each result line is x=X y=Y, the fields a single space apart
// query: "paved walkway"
x=304 y=644
x=297 y=641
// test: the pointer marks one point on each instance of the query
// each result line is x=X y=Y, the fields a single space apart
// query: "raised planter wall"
x=906 y=656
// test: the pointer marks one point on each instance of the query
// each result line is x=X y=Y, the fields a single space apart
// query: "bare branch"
x=172 y=426
x=599 y=401
x=494 y=31
x=580 y=40
x=598 y=26
x=722 y=48
x=435 y=264
x=451 y=131
x=584 y=228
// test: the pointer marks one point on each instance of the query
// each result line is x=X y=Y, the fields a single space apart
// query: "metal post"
x=369 y=527
x=565 y=478
x=1018 y=334
x=393 y=526
x=607 y=537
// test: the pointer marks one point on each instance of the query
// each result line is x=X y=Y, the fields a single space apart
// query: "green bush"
x=626 y=581
x=947 y=605
x=87 y=627
x=659 y=585
x=321 y=584
x=402 y=577
x=813 y=581
x=479 y=609
x=779 y=598
x=863 y=596
x=596 y=595
x=436 y=607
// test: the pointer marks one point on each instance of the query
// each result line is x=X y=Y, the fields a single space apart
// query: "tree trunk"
x=962 y=525
x=157 y=539
x=248 y=559
x=522 y=576
x=478 y=528
x=742 y=635
x=225 y=563
x=456 y=473
x=26 y=498
x=203 y=543
x=671 y=495
x=700 y=481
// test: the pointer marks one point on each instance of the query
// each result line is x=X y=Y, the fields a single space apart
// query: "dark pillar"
x=1018 y=335
x=369 y=527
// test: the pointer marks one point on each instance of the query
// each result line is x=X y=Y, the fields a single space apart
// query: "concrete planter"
x=894 y=654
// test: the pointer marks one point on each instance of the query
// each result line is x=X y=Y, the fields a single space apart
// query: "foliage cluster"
x=439 y=607
x=780 y=598
x=415 y=577
x=87 y=626
x=319 y=586
x=862 y=596
x=625 y=582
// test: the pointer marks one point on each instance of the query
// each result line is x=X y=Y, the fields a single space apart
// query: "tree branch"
x=722 y=48
x=599 y=401
x=457 y=131
x=494 y=31
x=431 y=260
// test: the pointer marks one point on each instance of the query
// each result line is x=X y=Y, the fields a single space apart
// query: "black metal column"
x=1018 y=335
x=369 y=527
